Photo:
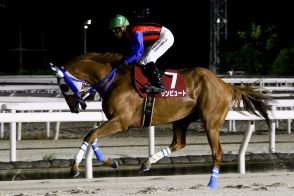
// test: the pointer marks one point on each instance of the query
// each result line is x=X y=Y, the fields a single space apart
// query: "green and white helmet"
x=118 y=21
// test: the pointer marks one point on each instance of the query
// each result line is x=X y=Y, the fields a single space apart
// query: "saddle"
x=172 y=80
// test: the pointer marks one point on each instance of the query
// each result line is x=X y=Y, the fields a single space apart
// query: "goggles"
x=116 y=30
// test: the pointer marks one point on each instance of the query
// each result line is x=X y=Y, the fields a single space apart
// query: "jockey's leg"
x=153 y=73
x=156 y=79
x=151 y=54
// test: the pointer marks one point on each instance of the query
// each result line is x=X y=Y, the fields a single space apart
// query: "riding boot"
x=153 y=73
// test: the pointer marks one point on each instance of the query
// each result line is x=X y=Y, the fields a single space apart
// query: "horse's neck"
x=123 y=76
x=116 y=78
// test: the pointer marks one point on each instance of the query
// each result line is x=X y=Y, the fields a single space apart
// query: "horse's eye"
x=64 y=88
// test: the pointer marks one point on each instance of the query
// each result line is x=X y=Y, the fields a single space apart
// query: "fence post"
x=89 y=162
x=19 y=127
x=243 y=146
x=272 y=134
x=48 y=127
x=2 y=127
x=13 y=139
x=289 y=126
x=151 y=140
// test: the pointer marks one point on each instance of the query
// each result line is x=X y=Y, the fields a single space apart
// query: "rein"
x=94 y=88
x=76 y=85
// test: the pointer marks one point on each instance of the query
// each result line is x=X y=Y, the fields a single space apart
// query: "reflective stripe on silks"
x=213 y=178
x=97 y=151
x=159 y=155
x=79 y=156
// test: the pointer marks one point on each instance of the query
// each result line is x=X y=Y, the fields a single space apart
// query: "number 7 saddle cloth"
x=173 y=83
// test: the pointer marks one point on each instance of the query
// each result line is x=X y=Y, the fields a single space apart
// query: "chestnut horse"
x=208 y=98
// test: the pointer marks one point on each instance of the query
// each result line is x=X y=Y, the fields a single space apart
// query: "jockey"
x=148 y=41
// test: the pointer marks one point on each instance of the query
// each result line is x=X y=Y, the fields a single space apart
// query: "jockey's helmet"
x=118 y=21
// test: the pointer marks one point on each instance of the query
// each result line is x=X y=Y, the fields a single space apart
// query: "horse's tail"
x=254 y=101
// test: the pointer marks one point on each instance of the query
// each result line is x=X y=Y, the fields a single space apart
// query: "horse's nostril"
x=74 y=110
x=83 y=105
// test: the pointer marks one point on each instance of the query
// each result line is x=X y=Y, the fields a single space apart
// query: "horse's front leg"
x=108 y=128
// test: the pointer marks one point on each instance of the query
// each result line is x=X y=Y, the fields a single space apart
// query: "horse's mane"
x=107 y=57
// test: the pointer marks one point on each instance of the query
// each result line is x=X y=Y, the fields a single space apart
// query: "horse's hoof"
x=75 y=173
x=113 y=163
x=74 y=170
x=145 y=167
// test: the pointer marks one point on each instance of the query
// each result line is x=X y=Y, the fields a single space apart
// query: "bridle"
x=70 y=85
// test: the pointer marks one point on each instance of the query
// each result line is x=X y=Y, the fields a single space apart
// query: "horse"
x=208 y=99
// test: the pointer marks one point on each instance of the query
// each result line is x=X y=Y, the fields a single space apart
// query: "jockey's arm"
x=137 y=48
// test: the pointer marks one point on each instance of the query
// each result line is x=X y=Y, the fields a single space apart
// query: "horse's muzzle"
x=83 y=105
x=75 y=109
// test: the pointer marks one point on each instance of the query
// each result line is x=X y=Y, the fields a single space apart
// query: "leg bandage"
x=159 y=155
x=80 y=154
x=213 y=178
x=97 y=151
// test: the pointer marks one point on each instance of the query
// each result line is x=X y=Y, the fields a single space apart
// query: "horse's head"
x=72 y=88
x=92 y=76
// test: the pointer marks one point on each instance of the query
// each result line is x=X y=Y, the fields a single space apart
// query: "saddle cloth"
x=172 y=80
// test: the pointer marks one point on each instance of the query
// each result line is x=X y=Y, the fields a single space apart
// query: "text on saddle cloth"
x=172 y=80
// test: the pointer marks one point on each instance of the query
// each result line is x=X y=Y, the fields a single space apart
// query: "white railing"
x=54 y=114
x=275 y=87
x=51 y=79
x=246 y=116
x=29 y=87
x=262 y=82
x=281 y=104
x=45 y=107
x=97 y=116
x=32 y=79
x=29 y=99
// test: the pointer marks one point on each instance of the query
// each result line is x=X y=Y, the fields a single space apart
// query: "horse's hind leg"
x=217 y=153
x=178 y=142
x=212 y=122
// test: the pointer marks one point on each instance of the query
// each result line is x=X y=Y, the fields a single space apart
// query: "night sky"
x=56 y=27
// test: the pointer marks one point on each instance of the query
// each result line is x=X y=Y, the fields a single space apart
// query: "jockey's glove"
x=123 y=65
x=120 y=65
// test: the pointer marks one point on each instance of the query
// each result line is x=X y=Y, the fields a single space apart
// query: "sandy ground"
x=253 y=184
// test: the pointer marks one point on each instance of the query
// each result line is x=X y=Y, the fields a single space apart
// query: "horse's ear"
x=118 y=56
x=57 y=71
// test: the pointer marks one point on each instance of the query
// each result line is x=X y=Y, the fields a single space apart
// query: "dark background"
x=52 y=31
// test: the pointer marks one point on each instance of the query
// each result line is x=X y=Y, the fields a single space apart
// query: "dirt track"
x=253 y=184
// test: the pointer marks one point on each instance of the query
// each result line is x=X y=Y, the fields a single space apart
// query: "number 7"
x=174 y=79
